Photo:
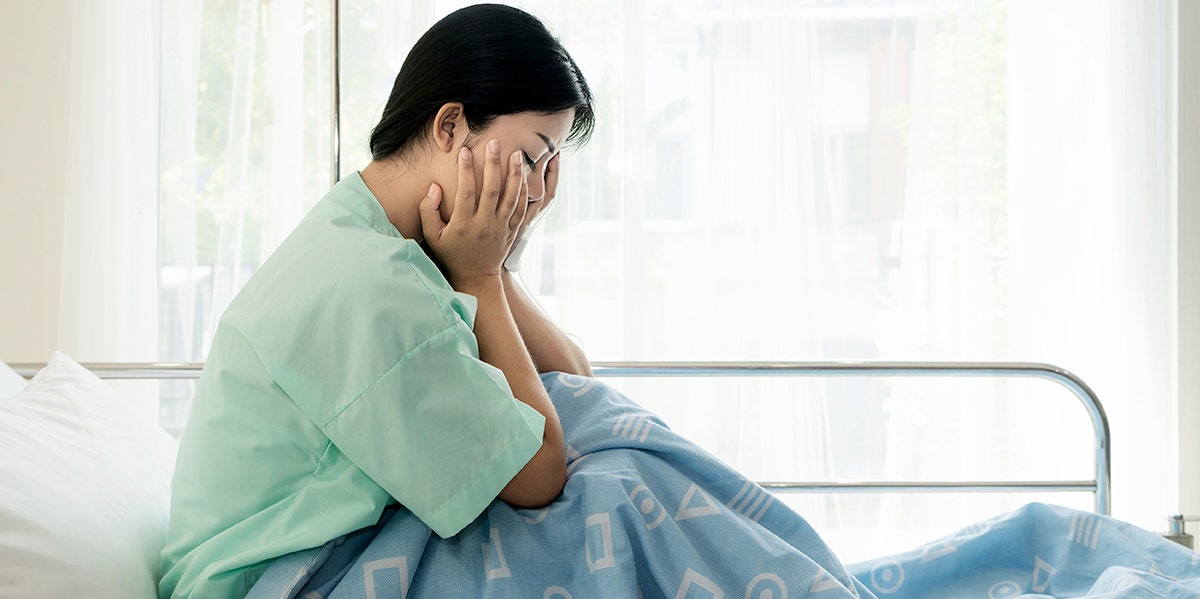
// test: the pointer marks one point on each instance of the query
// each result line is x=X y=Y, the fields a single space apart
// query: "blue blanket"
x=1039 y=551
x=646 y=513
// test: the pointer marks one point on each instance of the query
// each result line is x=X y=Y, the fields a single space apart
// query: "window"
x=244 y=151
x=771 y=180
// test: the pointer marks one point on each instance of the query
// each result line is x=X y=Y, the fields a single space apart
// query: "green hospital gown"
x=345 y=376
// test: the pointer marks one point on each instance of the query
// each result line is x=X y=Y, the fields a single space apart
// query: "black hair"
x=495 y=60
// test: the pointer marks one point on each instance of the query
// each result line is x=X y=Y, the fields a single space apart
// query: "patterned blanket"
x=646 y=513
x=1039 y=551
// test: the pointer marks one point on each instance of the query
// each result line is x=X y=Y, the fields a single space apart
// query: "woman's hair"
x=495 y=60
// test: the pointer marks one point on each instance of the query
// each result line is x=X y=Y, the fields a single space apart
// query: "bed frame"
x=1099 y=485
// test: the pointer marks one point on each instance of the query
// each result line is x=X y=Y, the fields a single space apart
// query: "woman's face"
x=537 y=136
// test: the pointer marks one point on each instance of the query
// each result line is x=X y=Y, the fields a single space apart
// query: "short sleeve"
x=440 y=431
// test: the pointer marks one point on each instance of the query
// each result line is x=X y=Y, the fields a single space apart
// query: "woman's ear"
x=449 y=127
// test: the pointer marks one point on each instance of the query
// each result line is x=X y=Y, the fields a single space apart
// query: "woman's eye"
x=529 y=162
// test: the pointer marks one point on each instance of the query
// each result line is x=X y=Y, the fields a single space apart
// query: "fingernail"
x=464 y=153
x=493 y=147
x=433 y=190
x=516 y=158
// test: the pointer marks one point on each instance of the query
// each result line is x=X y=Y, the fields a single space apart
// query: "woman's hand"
x=533 y=215
x=483 y=225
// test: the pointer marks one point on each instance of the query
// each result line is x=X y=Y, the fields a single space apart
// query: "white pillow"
x=84 y=490
x=11 y=383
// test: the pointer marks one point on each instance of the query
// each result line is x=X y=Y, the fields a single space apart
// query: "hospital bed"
x=1098 y=485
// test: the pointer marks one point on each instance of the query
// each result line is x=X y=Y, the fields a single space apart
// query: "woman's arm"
x=501 y=345
x=471 y=247
x=548 y=345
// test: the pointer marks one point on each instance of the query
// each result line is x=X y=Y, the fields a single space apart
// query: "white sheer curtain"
x=108 y=299
x=770 y=180
x=1090 y=231
x=245 y=151
x=778 y=180
x=244 y=145
x=109 y=231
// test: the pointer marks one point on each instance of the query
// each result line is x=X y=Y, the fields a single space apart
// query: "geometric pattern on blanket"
x=1039 y=550
x=647 y=513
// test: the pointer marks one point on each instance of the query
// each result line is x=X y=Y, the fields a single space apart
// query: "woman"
x=383 y=353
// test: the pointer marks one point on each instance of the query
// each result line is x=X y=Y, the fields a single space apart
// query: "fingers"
x=465 y=202
x=514 y=188
x=432 y=224
x=492 y=178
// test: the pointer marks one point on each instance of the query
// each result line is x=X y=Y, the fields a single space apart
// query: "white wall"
x=35 y=69
x=1188 y=265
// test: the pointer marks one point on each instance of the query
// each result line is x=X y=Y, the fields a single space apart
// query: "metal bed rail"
x=1100 y=485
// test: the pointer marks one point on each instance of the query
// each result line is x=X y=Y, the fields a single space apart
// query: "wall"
x=35 y=67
